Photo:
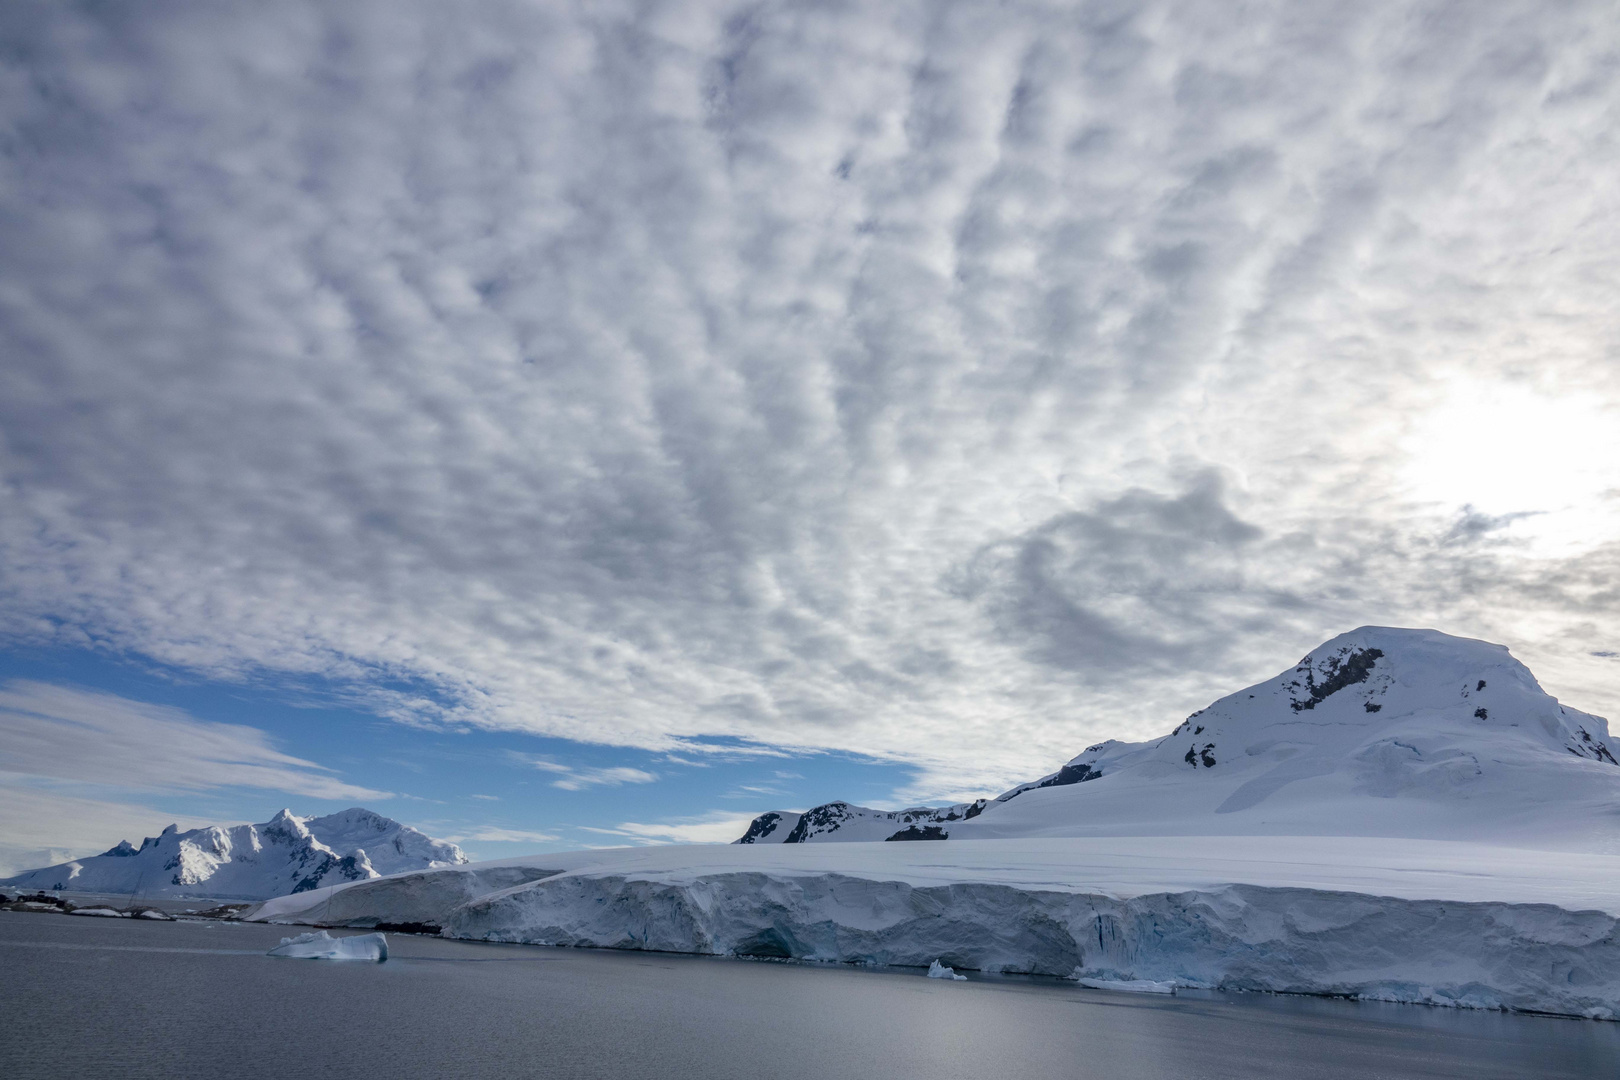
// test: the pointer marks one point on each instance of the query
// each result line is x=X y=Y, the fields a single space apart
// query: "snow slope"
x=286 y=854
x=1403 y=815
x=1379 y=732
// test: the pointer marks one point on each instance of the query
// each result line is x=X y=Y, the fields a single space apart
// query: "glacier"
x=1438 y=922
x=1401 y=816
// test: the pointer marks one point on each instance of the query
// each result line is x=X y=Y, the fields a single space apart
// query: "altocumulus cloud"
x=951 y=382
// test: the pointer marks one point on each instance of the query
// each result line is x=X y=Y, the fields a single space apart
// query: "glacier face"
x=1441 y=922
x=1238 y=937
x=286 y=854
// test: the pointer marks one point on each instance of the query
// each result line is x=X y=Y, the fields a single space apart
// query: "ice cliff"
x=1402 y=815
x=1442 y=922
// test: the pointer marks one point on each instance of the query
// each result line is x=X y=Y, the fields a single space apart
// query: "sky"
x=563 y=424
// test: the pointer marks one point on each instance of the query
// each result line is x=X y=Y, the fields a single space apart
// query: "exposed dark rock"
x=927 y=832
x=1348 y=671
x=41 y=898
x=1370 y=707
x=124 y=848
x=761 y=827
x=1481 y=685
x=1592 y=748
x=1192 y=756
x=312 y=880
x=1481 y=714
x=1071 y=774
x=1207 y=757
x=409 y=928
x=824 y=818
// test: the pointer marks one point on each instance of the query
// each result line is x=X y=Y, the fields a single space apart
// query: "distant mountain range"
x=286 y=854
x=1379 y=732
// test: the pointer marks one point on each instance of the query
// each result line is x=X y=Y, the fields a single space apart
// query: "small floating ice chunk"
x=323 y=946
x=937 y=970
x=1129 y=986
x=101 y=912
x=151 y=913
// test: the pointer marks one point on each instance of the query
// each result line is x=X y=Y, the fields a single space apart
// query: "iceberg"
x=937 y=970
x=320 y=945
x=1127 y=986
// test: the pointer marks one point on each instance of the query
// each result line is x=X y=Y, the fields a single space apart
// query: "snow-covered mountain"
x=1402 y=816
x=286 y=854
x=843 y=821
x=1379 y=732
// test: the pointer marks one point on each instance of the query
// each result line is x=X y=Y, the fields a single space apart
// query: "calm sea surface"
x=85 y=997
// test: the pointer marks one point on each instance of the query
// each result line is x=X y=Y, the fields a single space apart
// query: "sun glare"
x=1505 y=449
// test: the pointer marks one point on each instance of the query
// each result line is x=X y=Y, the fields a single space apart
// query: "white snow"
x=1120 y=867
x=100 y=912
x=323 y=946
x=1379 y=732
x=1403 y=816
x=1127 y=986
x=1395 y=919
x=937 y=970
x=251 y=862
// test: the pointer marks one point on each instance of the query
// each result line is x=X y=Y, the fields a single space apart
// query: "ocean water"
x=89 y=998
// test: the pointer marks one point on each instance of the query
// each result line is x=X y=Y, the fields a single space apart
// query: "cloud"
x=488 y=798
x=955 y=385
x=1140 y=580
x=41 y=827
x=495 y=834
x=95 y=738
x=574 y=779
x=716 y=827
x=751 y=791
